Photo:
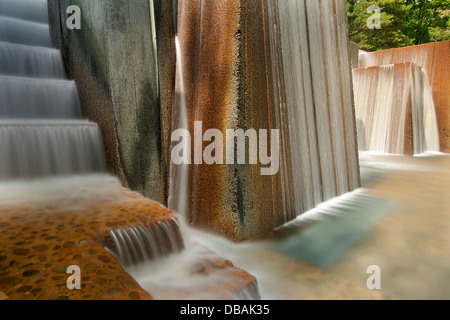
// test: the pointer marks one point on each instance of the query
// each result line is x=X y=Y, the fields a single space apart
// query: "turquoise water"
x=339 y=225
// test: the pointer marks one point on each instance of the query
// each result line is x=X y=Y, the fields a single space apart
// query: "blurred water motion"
x=399 y=221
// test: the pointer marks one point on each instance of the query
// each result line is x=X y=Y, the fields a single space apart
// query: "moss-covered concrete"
x=113 y=59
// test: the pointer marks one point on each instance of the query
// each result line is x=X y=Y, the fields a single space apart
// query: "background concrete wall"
x=113 y=59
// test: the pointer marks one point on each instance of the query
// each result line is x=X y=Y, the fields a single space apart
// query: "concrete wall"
x=243 y=67
x=354 y=54
x=223 y=61
x=113 y=59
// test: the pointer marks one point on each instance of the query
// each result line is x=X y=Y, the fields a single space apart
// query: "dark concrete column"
x=114 y=60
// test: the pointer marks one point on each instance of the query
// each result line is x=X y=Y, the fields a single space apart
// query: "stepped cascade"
x=139 y=244
x=41 y=130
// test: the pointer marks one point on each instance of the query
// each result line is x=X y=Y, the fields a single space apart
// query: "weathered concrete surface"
x=113 y=59
x=434 y=57
x=354 y=54
x=40 y=238
x=164 y=23
x=229 y=69
x=222 y=46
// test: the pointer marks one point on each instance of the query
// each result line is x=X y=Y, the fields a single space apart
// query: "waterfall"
x=137 y=245
x=30 y=61
x=424 y=114
x=30 y=10
x=38 y=98
x=268 y=65
x=23 y=32
x=179 y=174
x=395 y=109
x=311 y=80
x=33 y=149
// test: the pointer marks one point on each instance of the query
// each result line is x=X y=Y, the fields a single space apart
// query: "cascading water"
x=30 y=10
x=137 y=245
x=28 y=98
x=33 y=149
x=179 y=174
x=395 y=109
x=30 y=61
x=424 y=114
x=313 y=96
x=24 y=32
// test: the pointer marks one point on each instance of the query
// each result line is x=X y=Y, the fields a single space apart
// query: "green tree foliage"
x=403 y=23
x=428 y=21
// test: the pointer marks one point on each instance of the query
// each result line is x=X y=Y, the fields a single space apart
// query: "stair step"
x=48 y=148
x=24 y=98
x=31 y=10
x=30 y=61
x=23 y=32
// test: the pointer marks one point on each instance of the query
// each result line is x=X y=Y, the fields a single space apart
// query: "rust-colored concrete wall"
x=435 y=58
x=236 y=76
x=230 y=72
x=225 y=84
